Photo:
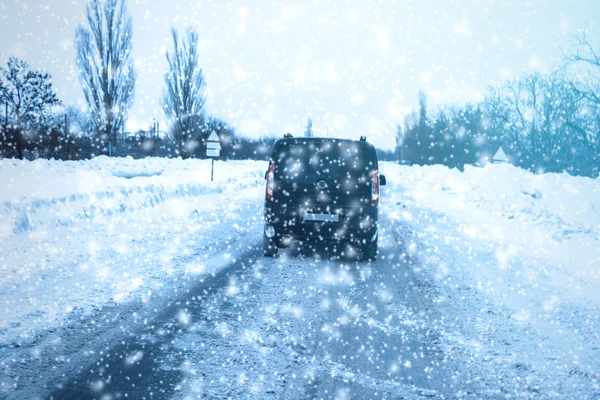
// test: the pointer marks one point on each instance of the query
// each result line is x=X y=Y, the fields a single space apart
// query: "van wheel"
x=269 y=247
x=369 y=251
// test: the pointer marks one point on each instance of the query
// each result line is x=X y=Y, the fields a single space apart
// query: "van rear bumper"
x=358 y=224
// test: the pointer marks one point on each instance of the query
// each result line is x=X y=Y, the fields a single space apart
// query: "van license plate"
x=321 y=217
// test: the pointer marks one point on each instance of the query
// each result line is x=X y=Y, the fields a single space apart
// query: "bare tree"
x=524 y=99
x=106 y=66
x=78 y=122
x=28 y=94
x=28 y=98
x=544 y=122
x=587 y=86
x=184 y=95
x=586 y=55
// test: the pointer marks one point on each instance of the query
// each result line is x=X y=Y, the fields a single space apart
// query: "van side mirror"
x=382 y=180
x=266 y=174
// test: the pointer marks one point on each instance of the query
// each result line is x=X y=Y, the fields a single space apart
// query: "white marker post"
x=213 y=149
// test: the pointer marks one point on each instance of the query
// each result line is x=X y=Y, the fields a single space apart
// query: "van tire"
x=369 y=251
x=269 y=247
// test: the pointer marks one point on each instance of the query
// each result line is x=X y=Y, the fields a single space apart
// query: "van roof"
x=317 y=139
x=280 y=144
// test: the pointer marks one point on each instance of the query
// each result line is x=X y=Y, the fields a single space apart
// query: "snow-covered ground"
x=512 y=257
x=77 y=235
x=516 y=257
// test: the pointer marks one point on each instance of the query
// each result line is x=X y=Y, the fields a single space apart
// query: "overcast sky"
x=354 y=67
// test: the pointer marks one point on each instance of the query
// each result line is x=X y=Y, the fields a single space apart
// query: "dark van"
x=322 y=189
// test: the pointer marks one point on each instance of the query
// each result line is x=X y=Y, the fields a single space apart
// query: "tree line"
x=35 y=122
x=545 y=122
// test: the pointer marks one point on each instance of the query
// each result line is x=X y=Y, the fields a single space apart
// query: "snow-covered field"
x=513 y=257
x=77 y=235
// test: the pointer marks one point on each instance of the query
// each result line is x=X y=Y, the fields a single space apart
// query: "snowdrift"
x=551 y=219
x=514 y=258
x=46 y=193
x=79 y=234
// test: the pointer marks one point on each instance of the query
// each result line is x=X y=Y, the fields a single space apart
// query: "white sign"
x=500 y=156
x=213 y=137
x=213 y=145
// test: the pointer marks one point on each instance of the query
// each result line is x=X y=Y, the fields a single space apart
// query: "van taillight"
x=270 y=178
x=374 y=187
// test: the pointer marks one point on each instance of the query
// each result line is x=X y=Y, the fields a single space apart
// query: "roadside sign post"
x=500 y=157
x=213 y=149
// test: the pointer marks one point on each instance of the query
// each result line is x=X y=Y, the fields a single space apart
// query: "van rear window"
x=300 y=160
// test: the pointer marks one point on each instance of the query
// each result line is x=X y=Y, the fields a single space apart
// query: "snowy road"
x=292 y=327
x=154 y=286
x=298 y=326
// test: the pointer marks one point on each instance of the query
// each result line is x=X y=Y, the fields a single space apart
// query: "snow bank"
x=45 y=193
x=80 y=234
x=551 y=219
x=515 y=258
